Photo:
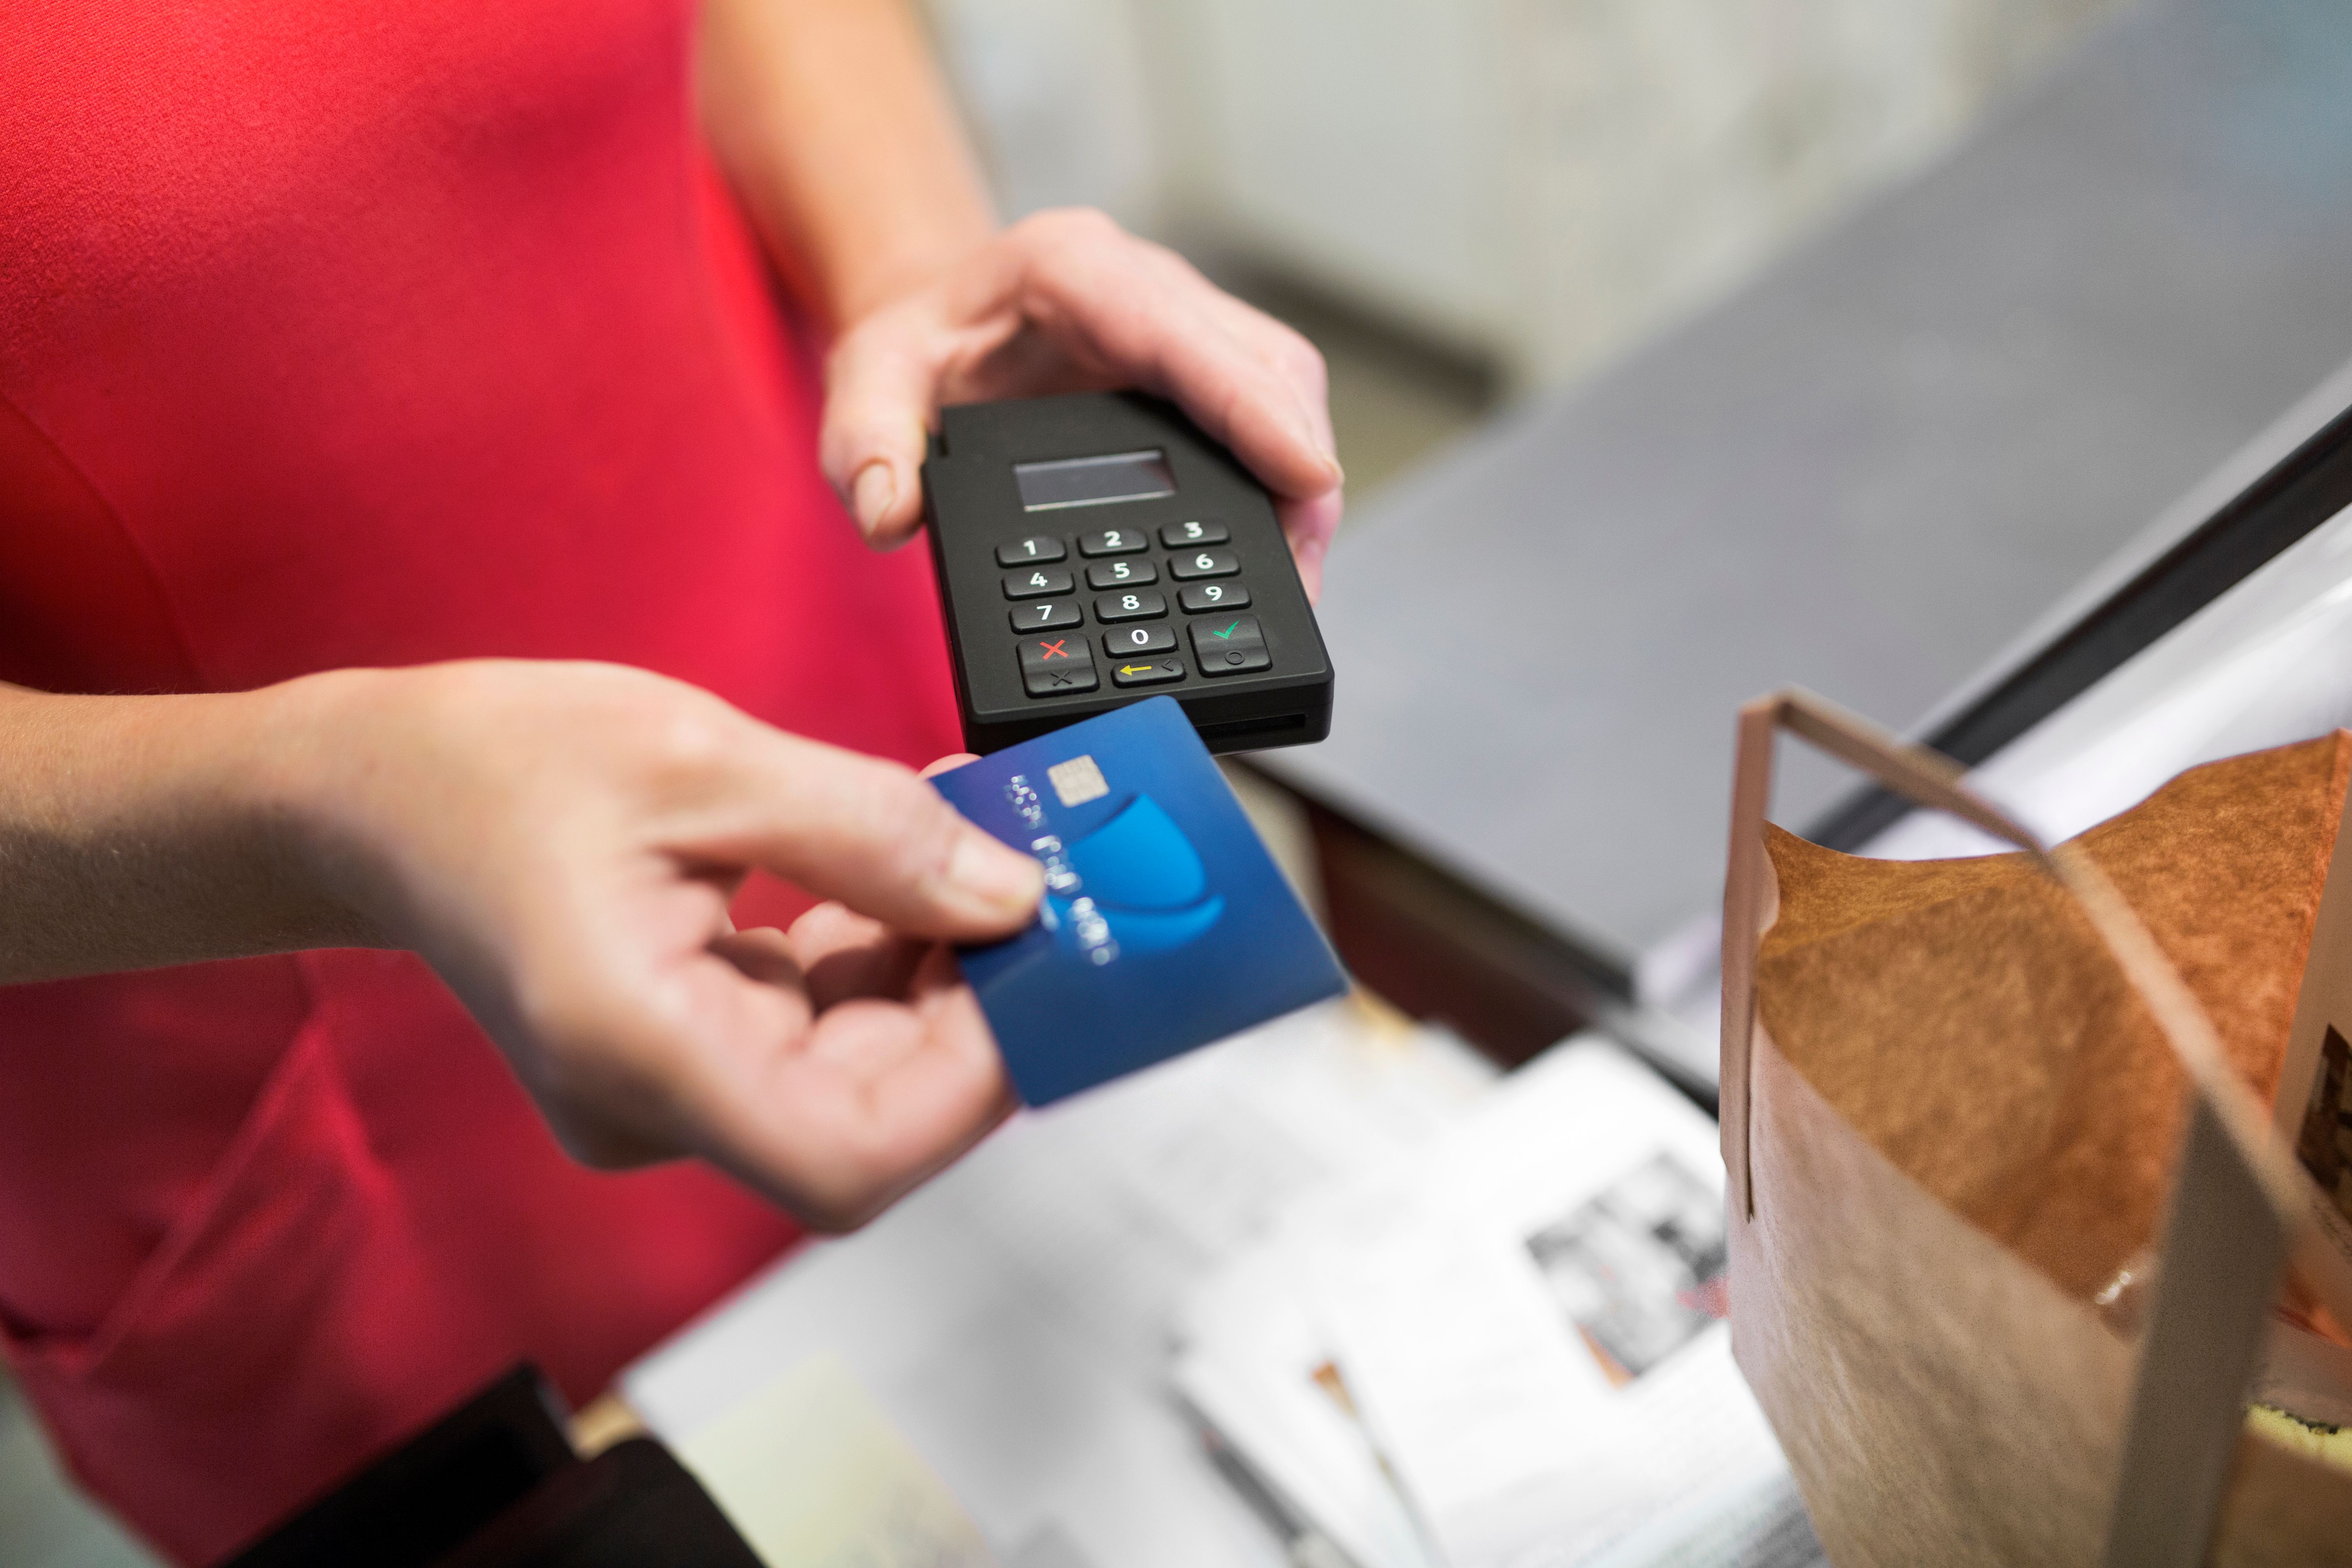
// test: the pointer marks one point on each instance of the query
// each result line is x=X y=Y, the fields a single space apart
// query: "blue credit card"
x=1165 y=925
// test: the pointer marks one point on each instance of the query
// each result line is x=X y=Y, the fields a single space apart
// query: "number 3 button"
x=1234 y=648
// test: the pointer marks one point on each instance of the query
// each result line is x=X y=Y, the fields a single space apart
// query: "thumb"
x=878 y=387
x=872 y=834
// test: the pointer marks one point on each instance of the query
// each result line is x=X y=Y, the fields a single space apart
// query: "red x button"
x=1056 y=666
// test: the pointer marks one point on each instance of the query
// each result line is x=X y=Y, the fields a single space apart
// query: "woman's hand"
x=560 y=842
x=1067 y=301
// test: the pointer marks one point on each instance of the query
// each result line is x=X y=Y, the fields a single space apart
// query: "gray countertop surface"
x=1868 y=472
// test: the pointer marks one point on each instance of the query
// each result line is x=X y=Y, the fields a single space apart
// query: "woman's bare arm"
x=139 y=831
x=832 y=121
x=834 y=127
x=559 y=842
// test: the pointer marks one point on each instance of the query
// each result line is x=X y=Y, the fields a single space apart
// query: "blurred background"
x=1462 y=202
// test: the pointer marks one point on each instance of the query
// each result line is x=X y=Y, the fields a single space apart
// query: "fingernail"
x=874 y=494
x=1001 y=879
x=1309 y=438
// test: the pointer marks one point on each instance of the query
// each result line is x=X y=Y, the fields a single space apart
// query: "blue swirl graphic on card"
x=1133 y=885
x=1165 y=923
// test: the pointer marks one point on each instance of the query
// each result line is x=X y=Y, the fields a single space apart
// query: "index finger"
x=866 y=832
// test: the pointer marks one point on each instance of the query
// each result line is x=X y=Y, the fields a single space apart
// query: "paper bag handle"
x=2238 y=1197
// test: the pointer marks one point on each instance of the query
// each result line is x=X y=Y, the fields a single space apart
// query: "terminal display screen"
x=1094 y=481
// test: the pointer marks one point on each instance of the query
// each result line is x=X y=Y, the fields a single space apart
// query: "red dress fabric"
x=331 y=337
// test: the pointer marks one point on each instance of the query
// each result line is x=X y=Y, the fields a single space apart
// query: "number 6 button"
x=1188 y=564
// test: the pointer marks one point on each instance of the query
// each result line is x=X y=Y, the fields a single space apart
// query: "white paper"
x=1523 y=1434
x=1012 y=1318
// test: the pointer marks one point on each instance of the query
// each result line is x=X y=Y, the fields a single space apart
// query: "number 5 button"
x=1233 y=647
x=1188 y=564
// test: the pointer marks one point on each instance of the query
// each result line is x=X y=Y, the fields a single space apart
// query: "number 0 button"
x=1233 y=647
x=1138 y=639
x=1188 y=564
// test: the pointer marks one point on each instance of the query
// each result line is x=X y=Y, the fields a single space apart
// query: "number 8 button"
x=1193 y=563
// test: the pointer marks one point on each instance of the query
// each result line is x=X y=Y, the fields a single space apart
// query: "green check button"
x=1236 y=648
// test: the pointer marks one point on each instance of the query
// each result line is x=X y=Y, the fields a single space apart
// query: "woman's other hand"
x=1068 y=301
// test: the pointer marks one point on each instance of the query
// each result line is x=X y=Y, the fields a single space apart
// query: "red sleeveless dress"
x=337 y=336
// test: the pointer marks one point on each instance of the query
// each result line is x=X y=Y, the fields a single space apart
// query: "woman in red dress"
x=363 y=375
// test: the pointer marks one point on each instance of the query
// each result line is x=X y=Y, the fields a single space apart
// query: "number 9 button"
x=1198 y=598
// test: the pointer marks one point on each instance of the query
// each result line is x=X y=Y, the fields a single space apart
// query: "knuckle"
x=1059 y=226
x=1303 y=362
x=919 y=835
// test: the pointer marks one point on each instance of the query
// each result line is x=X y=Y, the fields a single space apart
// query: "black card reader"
x=1097 y=549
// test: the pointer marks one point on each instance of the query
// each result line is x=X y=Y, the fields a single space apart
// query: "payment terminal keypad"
x=1089 y=544
x=1229 y=650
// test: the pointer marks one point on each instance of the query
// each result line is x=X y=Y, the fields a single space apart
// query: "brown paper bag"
x=1983 y=1095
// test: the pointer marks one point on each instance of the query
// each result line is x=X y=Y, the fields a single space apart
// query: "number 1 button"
x=1233 y=647
x=1035 y=551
